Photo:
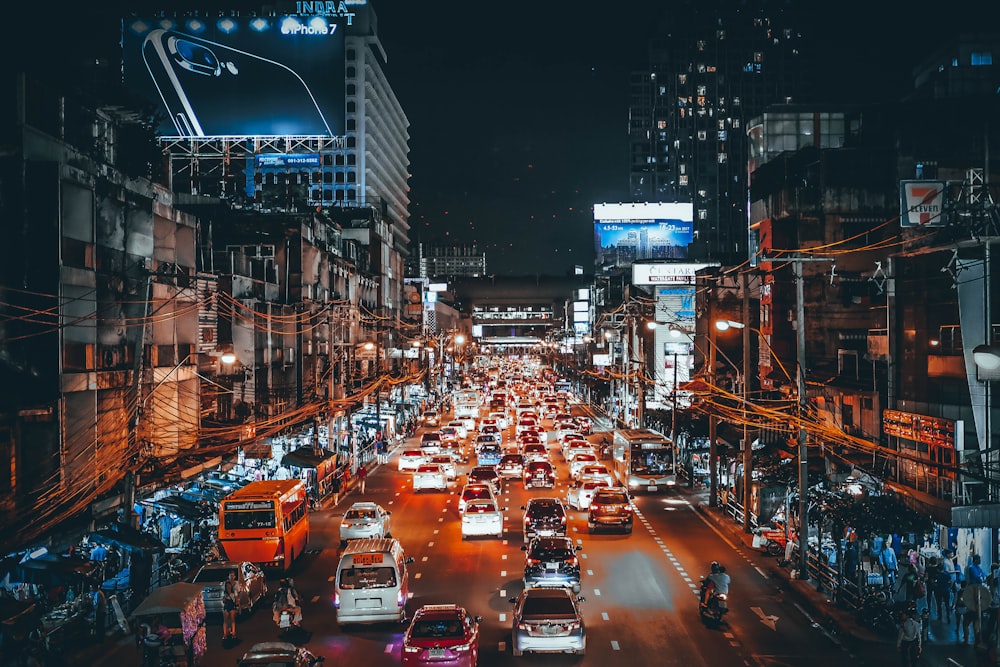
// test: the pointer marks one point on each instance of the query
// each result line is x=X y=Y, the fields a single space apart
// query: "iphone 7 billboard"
x=239 y=76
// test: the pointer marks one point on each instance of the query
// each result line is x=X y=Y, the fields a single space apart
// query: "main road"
x=640 y=590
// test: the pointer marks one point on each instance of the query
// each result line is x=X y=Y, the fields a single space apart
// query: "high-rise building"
x=714 y=66
x=450 y=261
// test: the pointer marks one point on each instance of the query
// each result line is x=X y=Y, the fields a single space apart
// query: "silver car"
x=363 y=520
x=250 y=584
x=548 y=620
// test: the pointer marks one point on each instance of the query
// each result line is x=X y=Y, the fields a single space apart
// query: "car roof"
x=364 y=505
x=440 y=610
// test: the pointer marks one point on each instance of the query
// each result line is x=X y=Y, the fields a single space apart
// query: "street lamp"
x=725 y=325
x=373 y=346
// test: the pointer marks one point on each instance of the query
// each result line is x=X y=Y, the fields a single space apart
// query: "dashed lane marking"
x=388 y=648
x=604 y=616
x=615 y=646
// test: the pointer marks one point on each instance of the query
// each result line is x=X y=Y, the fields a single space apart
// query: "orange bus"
x=265 y=522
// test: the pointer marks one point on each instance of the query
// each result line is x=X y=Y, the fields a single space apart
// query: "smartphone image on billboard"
x=212 y=90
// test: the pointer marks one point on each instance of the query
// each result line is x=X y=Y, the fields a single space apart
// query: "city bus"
x=265 y=522
x=643 y=459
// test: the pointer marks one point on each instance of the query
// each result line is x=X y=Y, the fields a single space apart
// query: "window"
x=702 y=135
x=723 y=158
x=981 y=58
x=78 y=357
x=352 y=125
x=702 y=214
x=352 y=107
x=351 y=89
x=350 y=54
x=351 y=72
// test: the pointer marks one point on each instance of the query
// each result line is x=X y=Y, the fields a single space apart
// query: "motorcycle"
x=717 y=606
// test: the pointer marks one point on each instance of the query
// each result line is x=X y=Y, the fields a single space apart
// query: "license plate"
x=652 y=487
x=436 y=652
x=551 y=629
x=552 y=566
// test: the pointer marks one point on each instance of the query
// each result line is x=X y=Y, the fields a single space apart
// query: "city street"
x=640 y=589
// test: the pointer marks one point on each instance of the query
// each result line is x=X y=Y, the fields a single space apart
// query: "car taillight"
x=461 y=648
x=534 y=561
x=562 y=519
x=400 y=598
x=523 y=626
x=336 y=600
x=573 y=627
x=411 y=649
x=279 y=553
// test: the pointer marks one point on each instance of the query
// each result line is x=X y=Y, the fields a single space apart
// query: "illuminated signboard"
x=922 y=204
x=239 y=75
x=367 y=559
x=249 y=505
x=283 y=160
x=624 y=233
x=921 y=428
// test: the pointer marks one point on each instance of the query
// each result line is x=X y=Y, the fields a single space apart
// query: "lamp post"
x=725 y=325
x=373 y=346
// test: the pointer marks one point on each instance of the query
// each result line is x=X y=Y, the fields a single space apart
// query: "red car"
x=442 y=635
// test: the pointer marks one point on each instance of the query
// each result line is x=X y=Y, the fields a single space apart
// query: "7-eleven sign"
x=921 y=204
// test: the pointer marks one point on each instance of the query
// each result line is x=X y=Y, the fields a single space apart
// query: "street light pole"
x=747 y=449
x=800 y=347
x=713 y=447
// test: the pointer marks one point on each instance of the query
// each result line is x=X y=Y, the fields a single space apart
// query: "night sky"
x=519 y=111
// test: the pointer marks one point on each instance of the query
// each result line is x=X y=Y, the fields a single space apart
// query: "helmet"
x=716 y=567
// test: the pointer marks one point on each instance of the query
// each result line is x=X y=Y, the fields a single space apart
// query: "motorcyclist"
x=716 y=583
x=287 y=598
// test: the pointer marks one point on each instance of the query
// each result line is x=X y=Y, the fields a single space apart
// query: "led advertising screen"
x=624 y=233
x=239 y=76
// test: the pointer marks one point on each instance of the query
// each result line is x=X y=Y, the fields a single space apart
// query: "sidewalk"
x=943 y=648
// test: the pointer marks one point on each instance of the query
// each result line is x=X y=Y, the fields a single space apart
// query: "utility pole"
x=800 y=354
x=713 y=447
x=747 y=449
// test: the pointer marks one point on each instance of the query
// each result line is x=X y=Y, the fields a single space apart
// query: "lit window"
x=702 y=135
x=684 y=180
x=702 y=214
x=722 y=158
x=981 y=58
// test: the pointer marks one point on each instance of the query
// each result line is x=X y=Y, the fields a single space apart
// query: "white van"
x=372 y=582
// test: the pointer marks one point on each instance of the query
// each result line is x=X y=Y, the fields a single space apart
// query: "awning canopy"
x=52 y=570
x=307 y=457
x=185 y=509
x=127 y=537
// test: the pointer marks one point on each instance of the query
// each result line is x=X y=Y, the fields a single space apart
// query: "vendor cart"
x=181 y=609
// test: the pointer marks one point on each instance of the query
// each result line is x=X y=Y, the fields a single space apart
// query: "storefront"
x=318 y=467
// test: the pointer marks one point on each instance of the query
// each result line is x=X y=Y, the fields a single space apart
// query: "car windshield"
x=359 y=514
x=480 y=507
x=211 y=575
x=610 y=498
x=548 y=606
x=433 y=628
x=551 y=552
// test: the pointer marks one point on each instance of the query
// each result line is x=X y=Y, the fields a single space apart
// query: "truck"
x=466 y=402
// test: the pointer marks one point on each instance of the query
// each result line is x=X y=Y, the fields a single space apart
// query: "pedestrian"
x=908 y=641
x=939 y=589
x=362 y=476
x=100 y=602
x=887 y=559
x=908 y=583
x=974 y=572
x=230 y=605
x=990 y=620
x=961 y=613
x=977 y=600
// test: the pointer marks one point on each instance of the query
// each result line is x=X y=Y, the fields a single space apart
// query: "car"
x=430 y=476
x=529 y=439
x=484 y=441
x=491 y=430
x=584 y=424
x=570 y=436
x=489 y=455
x=575 y=447
x=500 y=417
x=461 y=427
x=482 y=517
x=474 y=492
x=490 y=421
x=564 y=423
x=441 y=634
x=580 y=493
x=539 y=474
x=278 y=654
x=598 y=473
x=552 y=561
x=363 y=520
x=447 y=463
x=543 y=516
x=511 y=466
x=411 y=459
x=430 y=443
x=579 y=462
x=449 y=434
x=430 y=418
x=610 y=508
x=486 y=474
x=548 y=620
x=535 y=452
x=251 y=585
x=524 y=423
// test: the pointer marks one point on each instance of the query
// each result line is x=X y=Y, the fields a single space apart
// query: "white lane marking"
x=583 y=555
x=430 y=544
x=417 y=575
x=604 y=616
x=441 y=520
x=503 y=573
x=597 y=591
x=615 y=646
x=760 y=571
x=503 y=556
x=424 y=559
x=503 y=617
x=590 y=573
x=503 y=593
x=331 y=578
x=388 y=648
x=314 y=599
x=436 y=531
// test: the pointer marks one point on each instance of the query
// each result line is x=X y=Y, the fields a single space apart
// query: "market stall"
x=181 y=609
x=58 y=585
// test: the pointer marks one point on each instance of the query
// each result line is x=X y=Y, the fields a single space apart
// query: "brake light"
x=523 y=626
x=534 y=561
x=461 y=648
x=573 y=627
x=562 y=519
x=411 y=649
x=336 y=600
x=400 y=598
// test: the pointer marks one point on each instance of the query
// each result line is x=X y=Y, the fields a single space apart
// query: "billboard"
x=922 y=204
x=624 y=233
x=239 y=76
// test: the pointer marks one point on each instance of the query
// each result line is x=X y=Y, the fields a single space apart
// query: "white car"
x=598 y=473
x=472 y=492
x=579 y=494
x=447 y=463
x=430 y=443
x=430 y=476
x=493 y=431
x=500 y=418
x=461 y=427
x=571 y=450
x=449 y=435
x=363 y=520
x=482 y=517
x=411 y=459
x=579 y=462
x=535 y=452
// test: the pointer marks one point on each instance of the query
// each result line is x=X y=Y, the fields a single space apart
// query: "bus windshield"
x=651 y=461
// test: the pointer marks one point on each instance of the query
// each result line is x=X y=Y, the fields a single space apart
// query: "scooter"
x=716 y=607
